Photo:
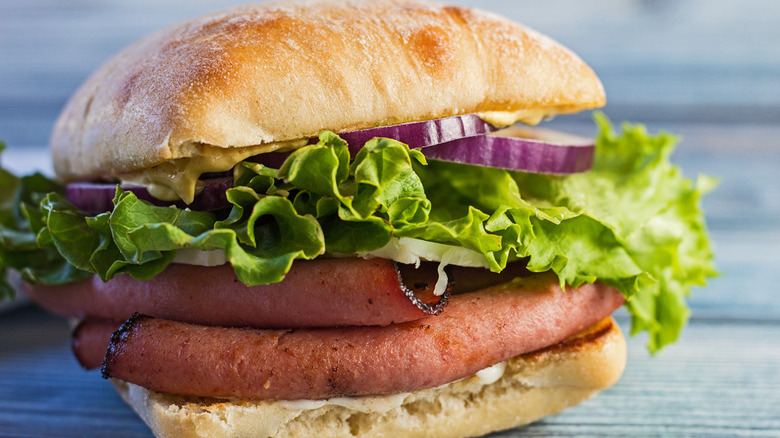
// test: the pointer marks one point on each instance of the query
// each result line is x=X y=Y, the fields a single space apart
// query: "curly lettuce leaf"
x=360 y=203
x=654 y=213
x=633 y=222
x=24 y=244
x=261 y=239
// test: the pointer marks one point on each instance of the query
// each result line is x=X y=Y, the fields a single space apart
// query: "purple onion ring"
x=520 y=149
x=95 y=198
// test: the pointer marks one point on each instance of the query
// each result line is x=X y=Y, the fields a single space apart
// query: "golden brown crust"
x=533 y=385
x=281 y=71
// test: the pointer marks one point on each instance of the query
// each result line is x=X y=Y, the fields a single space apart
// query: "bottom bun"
x=532 y=386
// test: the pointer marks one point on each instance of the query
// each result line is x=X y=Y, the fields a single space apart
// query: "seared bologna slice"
x=90 y=341
x=319 y=293
x=478 y=329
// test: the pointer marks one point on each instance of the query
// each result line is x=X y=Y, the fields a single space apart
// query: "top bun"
x=287 y=70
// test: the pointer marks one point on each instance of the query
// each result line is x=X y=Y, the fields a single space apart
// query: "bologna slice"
x=478 y=330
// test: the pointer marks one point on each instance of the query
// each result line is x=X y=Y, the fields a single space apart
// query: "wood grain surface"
x=707 y=70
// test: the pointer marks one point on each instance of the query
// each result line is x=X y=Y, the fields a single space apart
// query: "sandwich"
x=333 y=218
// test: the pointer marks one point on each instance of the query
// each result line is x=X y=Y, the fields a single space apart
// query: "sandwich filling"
x=179 y=178
x=632 y=222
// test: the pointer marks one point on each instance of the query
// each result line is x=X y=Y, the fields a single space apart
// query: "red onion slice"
x=422 y=134
x=522 y=149
x=94 y=198
x=415 y=134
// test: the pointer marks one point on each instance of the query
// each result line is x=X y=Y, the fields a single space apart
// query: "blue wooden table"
x=708 y=70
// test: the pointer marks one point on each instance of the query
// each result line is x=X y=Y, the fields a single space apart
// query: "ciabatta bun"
x=282 y=71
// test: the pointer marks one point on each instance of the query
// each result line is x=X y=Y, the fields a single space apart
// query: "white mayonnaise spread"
x=380 y=404
x=491 y=374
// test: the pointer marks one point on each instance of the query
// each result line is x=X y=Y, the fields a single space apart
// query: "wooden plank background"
x=709 y=70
